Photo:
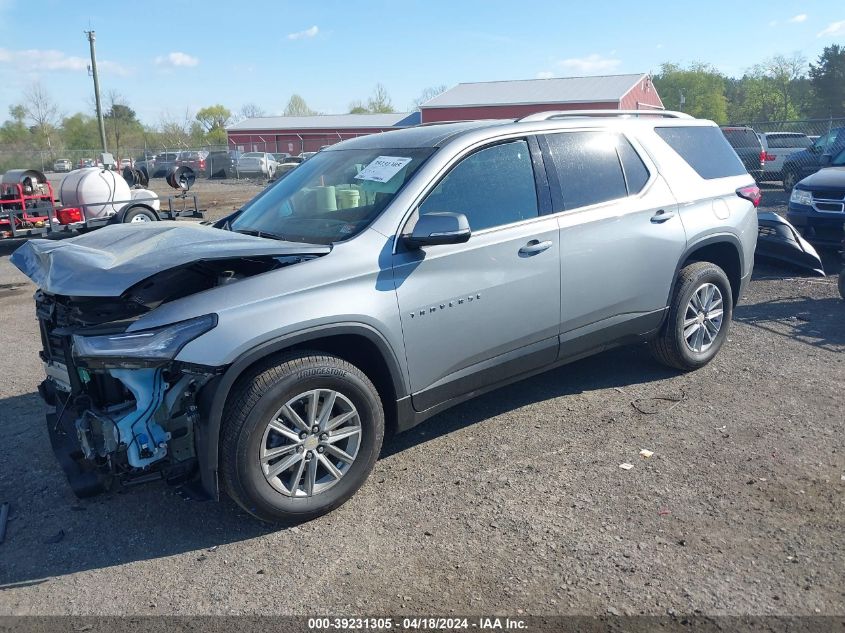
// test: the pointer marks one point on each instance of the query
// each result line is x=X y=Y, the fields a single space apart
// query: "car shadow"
x=816 y=322
x=52 y=533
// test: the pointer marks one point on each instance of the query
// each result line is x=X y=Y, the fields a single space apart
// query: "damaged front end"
x=125 y=410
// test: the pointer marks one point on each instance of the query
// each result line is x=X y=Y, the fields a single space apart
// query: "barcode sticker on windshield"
x=383 y=168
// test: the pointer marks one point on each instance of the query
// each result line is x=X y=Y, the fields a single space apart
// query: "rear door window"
x=705 y=149
x=491 y=187
x=588 y=167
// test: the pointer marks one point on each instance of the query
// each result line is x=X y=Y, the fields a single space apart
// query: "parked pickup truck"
x=747 y=146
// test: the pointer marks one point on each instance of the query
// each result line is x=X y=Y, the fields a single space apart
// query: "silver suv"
x=385 y=279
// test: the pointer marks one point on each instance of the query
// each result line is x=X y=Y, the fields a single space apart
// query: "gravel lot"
x=512 y=503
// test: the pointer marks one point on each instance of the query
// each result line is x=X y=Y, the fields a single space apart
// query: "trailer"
x=28 y=205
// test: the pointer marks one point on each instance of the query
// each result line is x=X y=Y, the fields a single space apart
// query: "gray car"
x=384 y=280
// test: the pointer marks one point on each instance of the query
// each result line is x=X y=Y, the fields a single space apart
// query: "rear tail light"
x=69 y=215
x=766 y=157
x=202 y=164
x=751 y=193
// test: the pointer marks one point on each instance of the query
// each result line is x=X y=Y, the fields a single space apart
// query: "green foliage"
x=297 y=107
x=379 y=102
x=214 y=117
x=698 y=89
x=827 y=78
x=14 y=132
x=80 y=132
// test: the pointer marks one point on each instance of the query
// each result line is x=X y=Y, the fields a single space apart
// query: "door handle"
x=661 y=216
x=535 y=246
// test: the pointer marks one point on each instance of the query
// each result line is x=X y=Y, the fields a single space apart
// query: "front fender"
x=213 y=398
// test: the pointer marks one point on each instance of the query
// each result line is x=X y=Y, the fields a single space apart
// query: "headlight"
x=799 y=196
x=143 y=348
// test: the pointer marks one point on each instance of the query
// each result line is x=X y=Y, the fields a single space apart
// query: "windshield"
x=331 y=197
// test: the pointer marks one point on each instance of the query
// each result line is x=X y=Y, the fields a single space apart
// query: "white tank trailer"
x=101 y=193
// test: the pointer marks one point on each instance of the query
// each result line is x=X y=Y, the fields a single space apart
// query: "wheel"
x=698 y=320
x=137 y=215
x=842 y=283
x=271 y=171
x=789 y=181
x=301 y=433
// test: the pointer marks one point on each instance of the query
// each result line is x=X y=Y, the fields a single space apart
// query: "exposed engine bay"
x=124 y=420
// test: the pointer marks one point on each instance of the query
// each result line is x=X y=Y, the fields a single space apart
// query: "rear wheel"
x=699 y=317
x=138 y=215
x=301 y=434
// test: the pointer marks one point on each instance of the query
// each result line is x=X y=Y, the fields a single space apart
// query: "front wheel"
x=789 y=181
x=301 y=433
x=698 y=320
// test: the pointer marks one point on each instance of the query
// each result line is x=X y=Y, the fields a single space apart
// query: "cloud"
x=176 y=59
x=47 y=60
x=834 y=28
x=301 y=35
x=545 y=74
x=590 y=64
x=801 y=17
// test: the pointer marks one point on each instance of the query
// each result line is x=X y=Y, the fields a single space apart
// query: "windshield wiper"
x=267 y=234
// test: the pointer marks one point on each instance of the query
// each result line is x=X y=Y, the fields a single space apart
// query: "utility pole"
x=91 y=37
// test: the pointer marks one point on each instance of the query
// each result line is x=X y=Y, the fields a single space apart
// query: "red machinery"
x=26 y=203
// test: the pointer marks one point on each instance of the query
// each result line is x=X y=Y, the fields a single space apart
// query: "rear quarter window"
x=741 y=138
x=705 y=149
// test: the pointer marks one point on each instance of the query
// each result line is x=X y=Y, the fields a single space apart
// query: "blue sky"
x=168 y=57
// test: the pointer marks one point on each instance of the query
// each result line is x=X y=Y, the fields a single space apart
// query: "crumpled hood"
x=106 y=262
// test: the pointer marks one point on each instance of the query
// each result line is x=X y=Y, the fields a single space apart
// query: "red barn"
x=515 y=99
x=296 y=134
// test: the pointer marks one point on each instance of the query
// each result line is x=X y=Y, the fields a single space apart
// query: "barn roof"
x=327 y=122
x=529 y=91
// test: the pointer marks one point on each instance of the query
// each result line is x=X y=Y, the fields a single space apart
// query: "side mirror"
x=825 y=160
x=441 y=227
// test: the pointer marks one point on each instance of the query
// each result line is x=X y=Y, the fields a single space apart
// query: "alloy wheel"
x=703 y=317
x=310 y=444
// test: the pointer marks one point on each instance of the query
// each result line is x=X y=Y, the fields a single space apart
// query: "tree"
x=120 y=121
x=80 y=131
x=698 y=90
x=175 y=131
x=357 y=107
x=251 y=111
x=827 y=78
x=43 y=113
x=380 y=100
x=428 y=94
x=297 y=107
x=213 y=120
x=15 y=132
x=783 y=73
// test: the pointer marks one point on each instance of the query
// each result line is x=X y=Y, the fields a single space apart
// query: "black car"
x=801 y=164
x=817 y=203
x=748 y=147
x=222 y=164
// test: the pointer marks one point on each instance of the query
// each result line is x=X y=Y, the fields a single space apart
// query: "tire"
x=842 y=283
x=139 y=215
x=258 y=398
x=670 y=346
x=789 y=181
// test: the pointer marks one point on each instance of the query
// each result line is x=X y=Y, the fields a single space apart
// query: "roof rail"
x=562 y=114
